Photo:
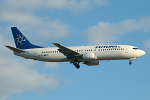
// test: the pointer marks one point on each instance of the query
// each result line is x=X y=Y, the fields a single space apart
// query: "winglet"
x=14 y=49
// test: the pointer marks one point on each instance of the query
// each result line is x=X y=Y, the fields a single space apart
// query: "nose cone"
x=142 y=53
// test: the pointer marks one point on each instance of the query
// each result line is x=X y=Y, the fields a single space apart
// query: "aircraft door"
x=35 y=53
x=31 y=54
x=127 y=49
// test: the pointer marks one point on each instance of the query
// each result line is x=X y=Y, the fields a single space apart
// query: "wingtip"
x=6 y=45
x=55 y=43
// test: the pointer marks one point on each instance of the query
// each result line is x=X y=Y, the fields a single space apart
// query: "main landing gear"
x=76 y=64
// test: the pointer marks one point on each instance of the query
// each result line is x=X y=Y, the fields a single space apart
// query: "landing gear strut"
x=76 y=64
x=130 y=62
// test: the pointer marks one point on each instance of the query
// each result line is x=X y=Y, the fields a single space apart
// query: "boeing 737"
x=89 y=55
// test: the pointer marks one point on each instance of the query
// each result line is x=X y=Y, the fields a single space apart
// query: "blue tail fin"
x=21 y=41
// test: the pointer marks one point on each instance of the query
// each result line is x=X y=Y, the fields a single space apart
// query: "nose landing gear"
x=130 y=62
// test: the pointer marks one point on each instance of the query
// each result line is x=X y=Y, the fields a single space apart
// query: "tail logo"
x=20 y=39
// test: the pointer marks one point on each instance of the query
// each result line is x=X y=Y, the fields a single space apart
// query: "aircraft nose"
x=143 y=53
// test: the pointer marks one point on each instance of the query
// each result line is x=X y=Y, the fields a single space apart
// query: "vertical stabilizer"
x=21 y=41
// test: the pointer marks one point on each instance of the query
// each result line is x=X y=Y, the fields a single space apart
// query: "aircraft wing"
x=66 y=51
x=14 y=49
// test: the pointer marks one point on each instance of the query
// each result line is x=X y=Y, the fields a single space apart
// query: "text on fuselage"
x=107 y=47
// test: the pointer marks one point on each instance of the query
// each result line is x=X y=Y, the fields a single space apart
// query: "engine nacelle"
x=92 y=63
x=89 y=56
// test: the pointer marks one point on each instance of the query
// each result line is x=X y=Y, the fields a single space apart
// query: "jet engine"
x=91 y=63
x=89 y=56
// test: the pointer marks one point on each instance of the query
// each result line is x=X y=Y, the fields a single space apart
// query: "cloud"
x=51 y=65
x=17 y=75
x=22 y=14
x=26 y=15
x=82 y=5
x=106 y=33
x=42 y=26
x=38 y=5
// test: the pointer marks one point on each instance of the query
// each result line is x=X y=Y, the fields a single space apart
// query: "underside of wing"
x=66 y=51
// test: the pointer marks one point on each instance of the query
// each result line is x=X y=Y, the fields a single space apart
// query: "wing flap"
x=14 y=49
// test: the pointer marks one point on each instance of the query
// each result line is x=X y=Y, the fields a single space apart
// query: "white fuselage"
x=102 y=52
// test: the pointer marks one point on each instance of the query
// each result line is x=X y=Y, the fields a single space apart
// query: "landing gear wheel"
x=76 y=64
x=130 y=62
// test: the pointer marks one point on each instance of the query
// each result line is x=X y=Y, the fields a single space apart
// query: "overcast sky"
x=75 y=23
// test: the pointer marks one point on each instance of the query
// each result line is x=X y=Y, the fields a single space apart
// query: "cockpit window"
x=135 y=48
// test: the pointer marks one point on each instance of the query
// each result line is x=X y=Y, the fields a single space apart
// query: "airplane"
x=89 y=55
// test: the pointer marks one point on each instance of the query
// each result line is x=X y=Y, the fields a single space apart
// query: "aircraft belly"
x=57 y=59
x=53 y=58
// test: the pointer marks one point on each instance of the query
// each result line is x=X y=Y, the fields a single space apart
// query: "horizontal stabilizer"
x=14 y=49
